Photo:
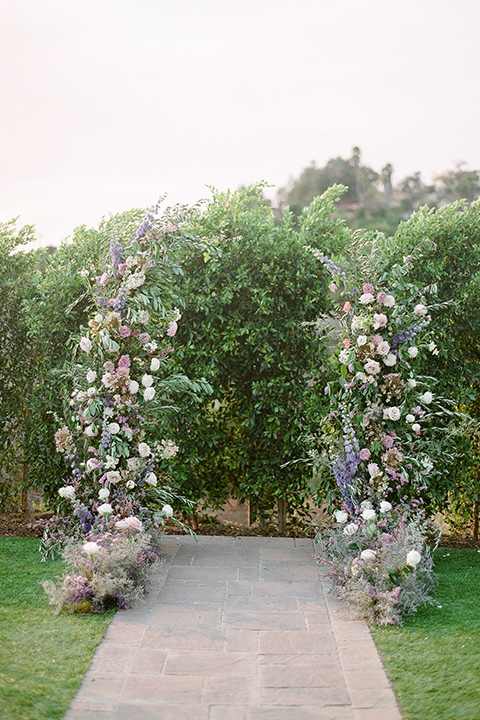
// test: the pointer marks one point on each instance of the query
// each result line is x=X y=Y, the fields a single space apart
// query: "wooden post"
x=24 y=500
x=475 y=520
x=282 y=514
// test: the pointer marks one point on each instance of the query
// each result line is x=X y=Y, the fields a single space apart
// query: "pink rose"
x=346 y=307
x=172 y=329
x=124 y=331
x=103 y=280
x=122 y=268
x=144 y=337
x=347 y=342
x=365 y=454
x=379 y=320
x=368 y=288
x=381 y=297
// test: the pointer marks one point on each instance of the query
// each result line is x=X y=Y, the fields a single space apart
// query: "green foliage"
x=16 y=367
x=43 y=657
x=245 y=301
x=433 y=660
x=449 y=265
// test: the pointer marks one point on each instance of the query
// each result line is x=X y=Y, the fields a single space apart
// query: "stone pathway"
x=236 y=629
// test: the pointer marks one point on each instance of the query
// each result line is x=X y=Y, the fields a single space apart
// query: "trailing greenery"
x=43 y=657
x=433 y=658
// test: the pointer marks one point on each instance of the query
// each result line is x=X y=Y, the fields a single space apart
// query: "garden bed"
x=18 y=524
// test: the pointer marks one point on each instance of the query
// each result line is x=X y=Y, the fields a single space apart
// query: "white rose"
x=344 y=356
x=415 y=427
x=105 y=509
x=167 y=510
x=103 y=493
x=91 y=376
x=365 y=504
x=374 y=471
x=389 y=301
x=392 y=413
x=133 y=387
x=368 y=554
x=410 y=418
x=361 y=340
x=130 y=485
x=350 y=529
x=369 y=514
x=91 y=392
x=155 y=364
x=411 y=383
x=91 y=548
x=366 y=298
x=390 y=360
x=149 y=394
x=341 y=516
x=413 y=351
x=144 y=449
x=113 y=428
x=385 y=506
x=108 y=379
x=372 y=367
x=147 y=381
x=383 y=348
x=413 y=558
x=151 y=479
x=85 y=344
x=108 y=412
x=67 y=492
x=420 y=310
x=426 y=398
x=90 y=431
x=113 y=476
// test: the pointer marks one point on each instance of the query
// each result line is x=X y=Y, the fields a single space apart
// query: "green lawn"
x=43 y=657
x=434 y=659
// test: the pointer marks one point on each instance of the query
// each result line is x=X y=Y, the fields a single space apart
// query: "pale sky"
x=108 y=104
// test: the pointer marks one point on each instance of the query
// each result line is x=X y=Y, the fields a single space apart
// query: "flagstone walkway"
x=236 y=629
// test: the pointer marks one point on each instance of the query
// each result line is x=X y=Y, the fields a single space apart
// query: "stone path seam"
x=236 y=629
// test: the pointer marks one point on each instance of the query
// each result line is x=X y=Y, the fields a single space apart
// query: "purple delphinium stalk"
x=408 y=334
x=345 y=465
x=85 y=517
x=330 y=266
x=116 y=252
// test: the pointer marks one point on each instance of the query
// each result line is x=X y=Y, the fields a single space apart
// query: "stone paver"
x=236 y=629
